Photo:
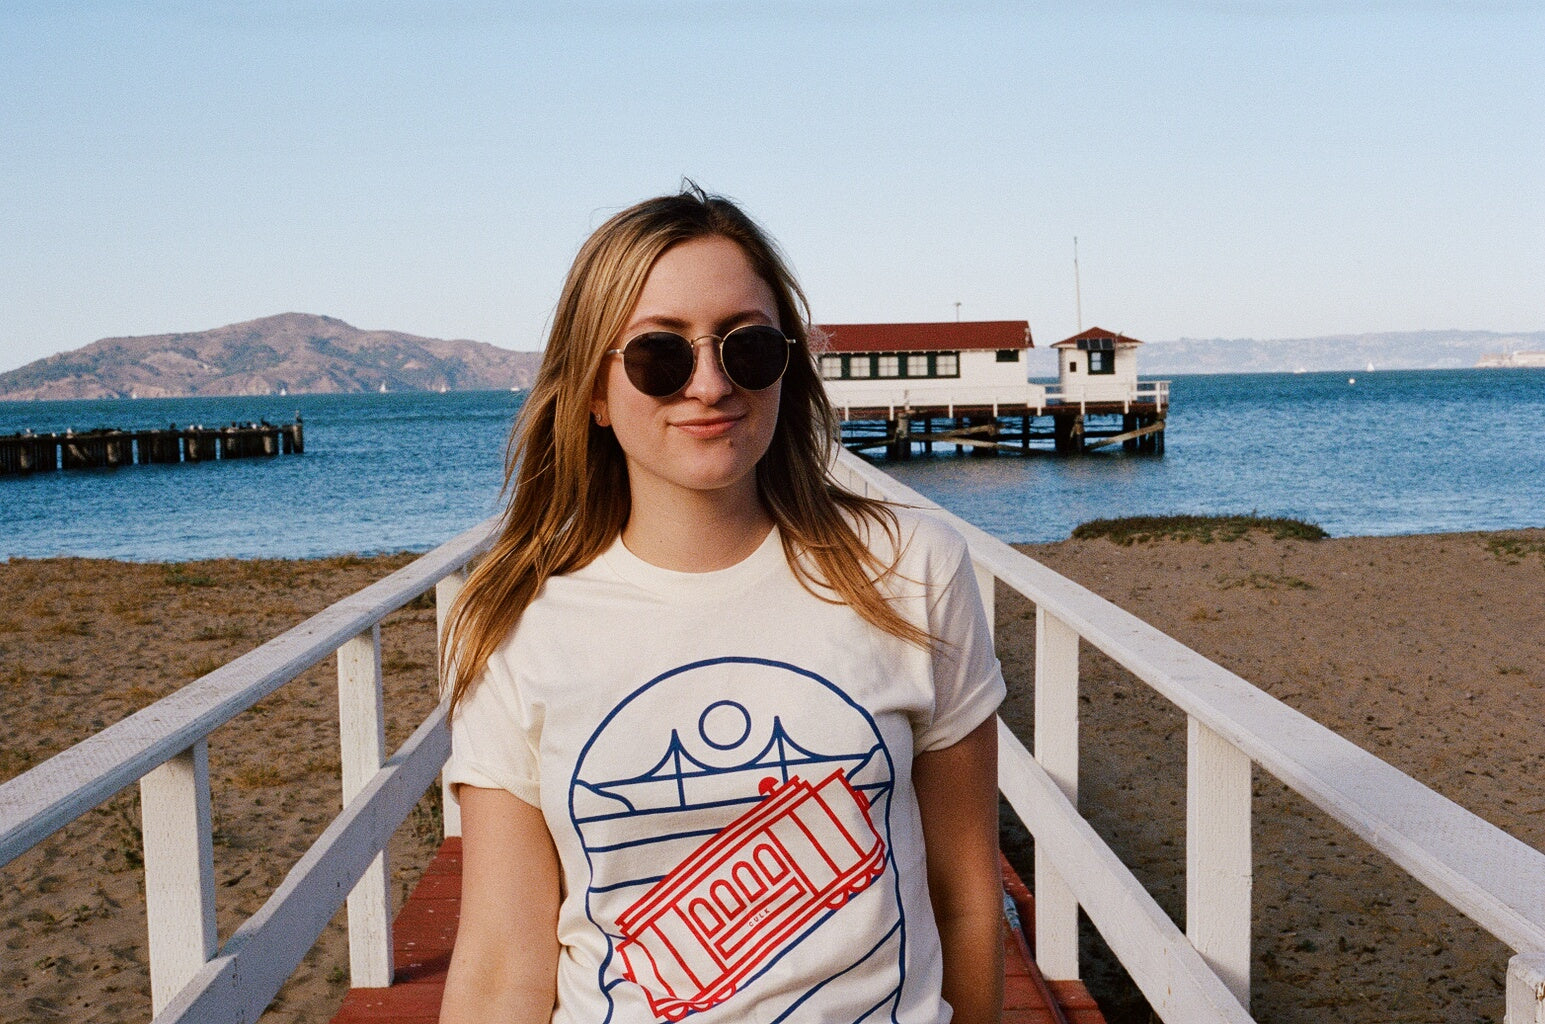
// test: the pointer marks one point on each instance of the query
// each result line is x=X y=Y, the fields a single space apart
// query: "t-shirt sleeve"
x=968 y=679
x=493 y=738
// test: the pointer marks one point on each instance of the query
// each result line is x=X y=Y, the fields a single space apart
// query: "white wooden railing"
x=164 y=747
x=1091 y=390
x=1198 y=976
x=1203 y=975
x=900 y=396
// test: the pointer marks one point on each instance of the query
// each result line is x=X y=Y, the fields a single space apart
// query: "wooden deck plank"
x=425 y=931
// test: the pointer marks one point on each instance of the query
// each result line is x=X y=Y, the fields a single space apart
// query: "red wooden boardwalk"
x=426 y=929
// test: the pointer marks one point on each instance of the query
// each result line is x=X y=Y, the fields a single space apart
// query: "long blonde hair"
x=566 y=476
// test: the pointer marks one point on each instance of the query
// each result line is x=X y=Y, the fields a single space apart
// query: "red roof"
x=936 y=337
x=1093 y=333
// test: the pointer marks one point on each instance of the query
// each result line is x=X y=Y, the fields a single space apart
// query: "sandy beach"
x=1425 y=650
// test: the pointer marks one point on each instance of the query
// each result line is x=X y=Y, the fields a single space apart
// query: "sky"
x=1228 y=168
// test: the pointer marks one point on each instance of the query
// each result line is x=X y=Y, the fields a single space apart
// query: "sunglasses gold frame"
x=693 y=344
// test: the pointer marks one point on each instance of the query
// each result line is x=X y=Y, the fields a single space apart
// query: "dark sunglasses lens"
x=755 y=357
x=658 y=364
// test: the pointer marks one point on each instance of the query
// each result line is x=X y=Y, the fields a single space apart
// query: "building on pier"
x=1097 y=365
x=895 y=386
x=887 y=366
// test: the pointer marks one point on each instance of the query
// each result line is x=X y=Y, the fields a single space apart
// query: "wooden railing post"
x=446 y=592
x=1056 y=748
x=987 y=583
x=178 y=834
x=362 y=746
x=1218 y=867
x=1526 y=989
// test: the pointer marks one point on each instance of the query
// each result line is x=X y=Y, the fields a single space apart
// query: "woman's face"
x=709 y=436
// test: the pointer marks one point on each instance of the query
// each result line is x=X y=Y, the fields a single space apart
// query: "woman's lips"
x=707 y=427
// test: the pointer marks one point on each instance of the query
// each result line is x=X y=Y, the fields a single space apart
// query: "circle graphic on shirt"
x=724 y=725
x=736 y=817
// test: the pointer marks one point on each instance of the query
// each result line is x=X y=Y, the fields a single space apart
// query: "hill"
x=1400 y=350
x=293 y=352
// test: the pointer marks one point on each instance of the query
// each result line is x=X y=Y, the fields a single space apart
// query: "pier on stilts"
x=106 y=448
x=898 y=388
x=1061 y=429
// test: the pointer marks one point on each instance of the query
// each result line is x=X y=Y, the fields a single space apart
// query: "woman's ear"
x=598 y=404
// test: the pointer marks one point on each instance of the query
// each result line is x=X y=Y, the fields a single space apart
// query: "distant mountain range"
x=1402 y=350
x=298 y=353
x=291 y=352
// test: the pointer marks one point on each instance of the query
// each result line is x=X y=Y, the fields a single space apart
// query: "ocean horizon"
x=1365 y=454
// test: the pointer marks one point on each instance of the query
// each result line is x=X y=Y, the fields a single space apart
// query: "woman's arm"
x=957 y=795
x=505 y=965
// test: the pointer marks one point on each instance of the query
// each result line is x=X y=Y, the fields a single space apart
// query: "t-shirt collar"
x=623 y=563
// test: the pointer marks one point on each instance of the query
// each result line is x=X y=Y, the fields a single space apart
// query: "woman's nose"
x=708 y=383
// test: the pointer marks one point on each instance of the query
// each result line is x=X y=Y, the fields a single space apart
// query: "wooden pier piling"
x=110 y=448
x=1062 y=429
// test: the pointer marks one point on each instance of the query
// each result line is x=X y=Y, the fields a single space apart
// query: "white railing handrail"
x=241 y=980
x=1179 y=984
x=165 y=748
x=49 y=796
x=905 y=394
x=1135 y=389
x=1490 y=876
x=898 y=393
x=1496 y=880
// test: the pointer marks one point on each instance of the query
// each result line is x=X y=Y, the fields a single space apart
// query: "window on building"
x=1072 y=365
x=1102 y=362
x=1008 y=355
x=910 y=365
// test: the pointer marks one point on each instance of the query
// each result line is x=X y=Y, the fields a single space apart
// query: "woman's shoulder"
x=920 y=539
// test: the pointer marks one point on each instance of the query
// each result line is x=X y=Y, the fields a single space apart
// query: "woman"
x=723 y=732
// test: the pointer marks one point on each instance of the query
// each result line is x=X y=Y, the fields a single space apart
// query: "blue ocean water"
x=1395 y=452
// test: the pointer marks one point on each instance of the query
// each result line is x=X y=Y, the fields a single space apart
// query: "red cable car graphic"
x=749 y=893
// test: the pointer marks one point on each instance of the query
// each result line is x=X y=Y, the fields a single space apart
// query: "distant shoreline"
x=1499 y=363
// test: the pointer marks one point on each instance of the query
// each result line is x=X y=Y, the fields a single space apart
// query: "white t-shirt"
x=724 y=761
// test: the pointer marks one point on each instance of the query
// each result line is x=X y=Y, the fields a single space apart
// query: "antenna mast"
x=1078 y=296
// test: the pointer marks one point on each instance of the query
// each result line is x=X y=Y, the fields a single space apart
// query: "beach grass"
x=1205 y=529
x=1514 y=548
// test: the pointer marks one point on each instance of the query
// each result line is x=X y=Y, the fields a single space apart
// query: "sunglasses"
x=661 y=363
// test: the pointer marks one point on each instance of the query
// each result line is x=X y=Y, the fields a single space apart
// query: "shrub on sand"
x=1206 y=529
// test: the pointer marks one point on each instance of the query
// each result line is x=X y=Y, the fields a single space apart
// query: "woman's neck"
x=696 y=532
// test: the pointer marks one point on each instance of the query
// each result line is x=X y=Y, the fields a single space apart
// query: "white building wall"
x=1080 y=385
x=982 y=381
